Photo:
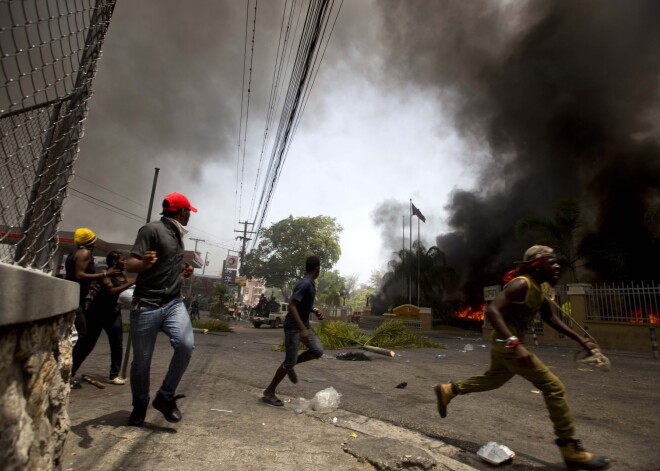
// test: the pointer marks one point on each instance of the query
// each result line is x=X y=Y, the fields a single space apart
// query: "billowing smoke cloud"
x=387 y=215
x=564 y=97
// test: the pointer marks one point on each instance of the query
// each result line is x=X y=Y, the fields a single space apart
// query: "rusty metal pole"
x=127 y=355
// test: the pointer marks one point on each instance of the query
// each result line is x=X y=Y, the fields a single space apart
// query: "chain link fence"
x=49 y=50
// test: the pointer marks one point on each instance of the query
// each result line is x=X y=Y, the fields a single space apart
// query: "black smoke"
x=563 y=96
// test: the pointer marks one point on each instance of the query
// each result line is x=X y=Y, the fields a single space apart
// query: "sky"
x=481 y=113
x=167 y=94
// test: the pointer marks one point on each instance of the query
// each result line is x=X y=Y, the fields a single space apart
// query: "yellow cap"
x=84 y=236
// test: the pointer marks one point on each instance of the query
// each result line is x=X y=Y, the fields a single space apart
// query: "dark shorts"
x=292 y=345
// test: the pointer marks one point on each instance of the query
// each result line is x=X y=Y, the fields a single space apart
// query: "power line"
x=108 y=189
x=135 y=217
x=112 y=208
x=239 y=195
x=275 y=86
x=305 y=66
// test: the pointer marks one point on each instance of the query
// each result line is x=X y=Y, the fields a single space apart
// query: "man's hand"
x=149 y=259
x=304 y=336
x=523 y=356
x=588 y=344
x=113 y=272
x=319 y=314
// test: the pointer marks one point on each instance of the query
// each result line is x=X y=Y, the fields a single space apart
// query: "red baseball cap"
x=177 y=201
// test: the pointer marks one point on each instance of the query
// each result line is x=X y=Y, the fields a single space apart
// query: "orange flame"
x=638 y=318
x=469 y=312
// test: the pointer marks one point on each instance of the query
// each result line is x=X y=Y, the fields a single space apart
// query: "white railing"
x=634 y=303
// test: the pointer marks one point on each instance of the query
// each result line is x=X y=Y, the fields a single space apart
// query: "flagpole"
x=403 y=253
x=410 y=272
x=418 y=269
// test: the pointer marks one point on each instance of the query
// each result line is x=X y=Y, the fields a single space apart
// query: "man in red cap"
x=156 y=257
x=510 y=314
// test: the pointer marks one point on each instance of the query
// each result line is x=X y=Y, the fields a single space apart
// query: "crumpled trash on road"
x=325 y=400
x=468 y=348
x=300 y=405
x=494 y=453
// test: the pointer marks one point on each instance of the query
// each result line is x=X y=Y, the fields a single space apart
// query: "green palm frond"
x=394 y=334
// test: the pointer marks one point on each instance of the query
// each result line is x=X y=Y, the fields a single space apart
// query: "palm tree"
x=434 y=274
x=560 y=233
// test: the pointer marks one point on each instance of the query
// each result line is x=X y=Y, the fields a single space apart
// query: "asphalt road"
x=617 y=413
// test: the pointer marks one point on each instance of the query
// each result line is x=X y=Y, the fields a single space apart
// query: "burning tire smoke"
x=562 y=98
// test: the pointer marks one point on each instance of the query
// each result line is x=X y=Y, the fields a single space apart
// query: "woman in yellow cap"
x=79 y=267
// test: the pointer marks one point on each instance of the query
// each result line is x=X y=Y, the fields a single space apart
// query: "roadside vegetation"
x=393 y=335
x=213 y=325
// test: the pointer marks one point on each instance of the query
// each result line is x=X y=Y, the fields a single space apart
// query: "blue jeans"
x=292 y=344
x=146 y=321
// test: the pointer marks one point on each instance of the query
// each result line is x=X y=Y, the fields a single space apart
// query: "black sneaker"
x=291 y=373
x=136 y=418
x=168 y=408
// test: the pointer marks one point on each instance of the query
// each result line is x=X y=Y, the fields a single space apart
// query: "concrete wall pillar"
x=36 y=319
x=577 y=295
x=426 y=319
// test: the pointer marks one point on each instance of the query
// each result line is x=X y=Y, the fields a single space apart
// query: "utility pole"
x=196 y=241
x=205 y=262
x=127 y=355
x=245 y=240
x=193 y=276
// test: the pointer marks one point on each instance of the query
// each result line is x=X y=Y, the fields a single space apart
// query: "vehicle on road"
x=273 y=314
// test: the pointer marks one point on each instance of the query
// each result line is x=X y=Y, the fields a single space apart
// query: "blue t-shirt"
x=304 y=293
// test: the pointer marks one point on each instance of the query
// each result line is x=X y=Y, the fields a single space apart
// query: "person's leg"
x=554 y=394
x=177 y=326
x=496 y=376
x=314 y=349
x=291 y=345
x=80 y=323
x=86 y=344
x=114 y=329
x=145 y=324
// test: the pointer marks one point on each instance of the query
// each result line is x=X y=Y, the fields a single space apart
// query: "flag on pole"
x=418 y=213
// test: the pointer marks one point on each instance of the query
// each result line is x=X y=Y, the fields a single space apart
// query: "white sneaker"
x=117 y=380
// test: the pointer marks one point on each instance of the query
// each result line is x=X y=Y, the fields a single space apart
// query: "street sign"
x=229 y=276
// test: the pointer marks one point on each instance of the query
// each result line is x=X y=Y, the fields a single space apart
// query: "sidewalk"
x=225 y=426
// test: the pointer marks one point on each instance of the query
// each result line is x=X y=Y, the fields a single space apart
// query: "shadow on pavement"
x=114 y=419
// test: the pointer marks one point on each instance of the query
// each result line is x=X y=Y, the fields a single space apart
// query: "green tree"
x=359 y=298
x=376 y=279
x=560 y=233
x=279 y=258
x=329 y=287
x=221 y=295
